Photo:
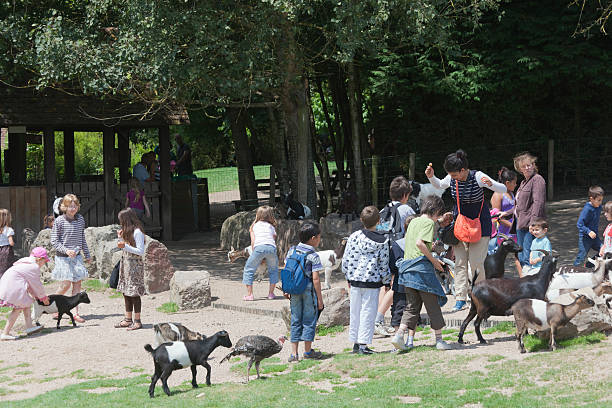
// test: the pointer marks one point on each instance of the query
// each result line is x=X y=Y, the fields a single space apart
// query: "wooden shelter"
x=26 y=111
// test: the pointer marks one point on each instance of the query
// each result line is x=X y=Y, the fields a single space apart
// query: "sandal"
x=136 y=325
x=78 y=318
x=248 y=298
x=123 y=324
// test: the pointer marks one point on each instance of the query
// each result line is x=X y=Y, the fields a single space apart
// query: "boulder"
x=102 y=244
x=336 y=313
x=334 y=227
x=158 y=270
x=190 y=289
x=27 y=238
x=43 y=239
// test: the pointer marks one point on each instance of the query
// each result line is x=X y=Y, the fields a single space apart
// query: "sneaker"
x=313 y=355
x=380 y=329
x=33 y=329
x=390 y=330
x=78 y=318
x=294 y=358
x=442 y=345
x=355 y=348
x=248 y=298
x=459 y=305
x=365 y=350
x=271 y=296
x=7 y=337
x=408 y=346
x=398 y=342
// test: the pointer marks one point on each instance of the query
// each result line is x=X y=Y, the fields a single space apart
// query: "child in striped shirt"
x=68 y=239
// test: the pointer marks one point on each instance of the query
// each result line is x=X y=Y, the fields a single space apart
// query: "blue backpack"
x=293 y=275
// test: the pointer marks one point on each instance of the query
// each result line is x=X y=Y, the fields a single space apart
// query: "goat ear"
x=594 y=262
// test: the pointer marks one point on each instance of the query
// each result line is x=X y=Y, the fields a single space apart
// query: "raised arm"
x=486 y=181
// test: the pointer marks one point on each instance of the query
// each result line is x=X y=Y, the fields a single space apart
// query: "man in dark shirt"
x=183 y=163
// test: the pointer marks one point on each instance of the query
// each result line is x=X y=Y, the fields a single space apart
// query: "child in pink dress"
x=19 y=285
x=607 y=236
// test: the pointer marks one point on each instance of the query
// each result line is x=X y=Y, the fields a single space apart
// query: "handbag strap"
x=457 y=197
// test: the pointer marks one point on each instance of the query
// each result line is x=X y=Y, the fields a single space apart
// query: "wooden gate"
x=91 y=195
x=28 y=206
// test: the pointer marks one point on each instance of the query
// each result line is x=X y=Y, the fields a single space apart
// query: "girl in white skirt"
x=68 y=239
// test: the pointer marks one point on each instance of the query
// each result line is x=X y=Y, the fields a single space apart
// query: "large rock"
x=334 y=227
x=102 y=244
x=336 y=313
x=27 y=238
x=190 y=289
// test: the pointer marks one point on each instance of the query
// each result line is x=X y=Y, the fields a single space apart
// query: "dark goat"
x=295 y=209
x=61 y=305
x=182 y=354
x=495 y=297
x=494 y=263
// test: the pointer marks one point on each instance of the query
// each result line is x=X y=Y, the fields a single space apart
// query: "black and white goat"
x=420 y=192
x=494 y=263
x=580 y=280
x=59 y=304
x=182 y=354
x=165 y=332
x=295 y=209
x=540 y=315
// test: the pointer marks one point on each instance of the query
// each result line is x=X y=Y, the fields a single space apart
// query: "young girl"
x=136 y=199
x=607 y=241
x=19 y=284
x=68 y=239
x=416 y=274
x=263 y=246
x=131 y=272
x=48 y=221
x=7 y=241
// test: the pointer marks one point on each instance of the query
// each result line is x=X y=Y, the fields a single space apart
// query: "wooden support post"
x=49 y=154
x=375 y=163
x=550 y=185
x=272 y=186
x=17 y=152
x=124 y=155
x=108 y=148
x=165 y=185
x=411 y=166
x=69 y=174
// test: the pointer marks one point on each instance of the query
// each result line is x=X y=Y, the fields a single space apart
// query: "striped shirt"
x=69 y=235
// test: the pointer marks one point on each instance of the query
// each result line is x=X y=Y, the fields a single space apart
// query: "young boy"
x=305 y=308
x=417 y=276
x=538 y=228
x=606 y=248
x=588 y=225
x=366 y=266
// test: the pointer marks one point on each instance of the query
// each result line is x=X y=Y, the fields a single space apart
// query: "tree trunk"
x=280 y=153
x=246 y=176
x=358 y=174
x=341 y=139
x=320 y=160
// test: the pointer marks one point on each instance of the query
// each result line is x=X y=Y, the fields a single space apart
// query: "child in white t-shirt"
x=263 y=246
x=7 y=241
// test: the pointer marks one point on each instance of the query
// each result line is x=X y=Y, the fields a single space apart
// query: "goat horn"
x=504 y=236
x=545 y=252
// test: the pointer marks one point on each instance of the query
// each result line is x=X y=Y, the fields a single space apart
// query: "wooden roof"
x=37 y=109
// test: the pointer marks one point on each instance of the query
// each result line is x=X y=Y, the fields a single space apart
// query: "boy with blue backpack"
x=302 y=286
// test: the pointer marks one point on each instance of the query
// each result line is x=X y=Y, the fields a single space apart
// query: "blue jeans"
x=261 y=252
x=304 y=315
x=492 y=246
x=585 y=244
x=524 y=239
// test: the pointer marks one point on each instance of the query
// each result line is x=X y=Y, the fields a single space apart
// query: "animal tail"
x=474 y=280
x=226 y=358
x=148 y=348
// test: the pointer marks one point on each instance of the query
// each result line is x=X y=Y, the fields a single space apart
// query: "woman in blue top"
x=473 y=205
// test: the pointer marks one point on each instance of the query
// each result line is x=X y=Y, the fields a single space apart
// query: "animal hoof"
x=460 y=341
x=522 y=351
x=483 y=342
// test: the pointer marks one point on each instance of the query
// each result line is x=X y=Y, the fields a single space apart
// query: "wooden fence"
x=28 y=206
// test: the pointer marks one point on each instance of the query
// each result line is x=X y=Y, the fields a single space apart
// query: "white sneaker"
x=380 y=329
x=442 y=345
x=398 y=342
x=7 y=337
x=33 y=329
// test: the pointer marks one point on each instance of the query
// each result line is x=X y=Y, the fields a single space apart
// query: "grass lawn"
x=427 y=378
x=226 y=178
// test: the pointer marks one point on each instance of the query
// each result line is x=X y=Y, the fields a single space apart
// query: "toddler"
x=136 y=199
x=539 y=229
x=606 y=248
x=306 y=307
x=588 y=225
x=366 y=266
x=18 y=286
x=263 y=246
x=7 y=241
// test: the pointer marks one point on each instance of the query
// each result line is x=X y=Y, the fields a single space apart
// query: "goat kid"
x=295 y=209
x=167 y=332
x=580 y=280
x=540 y=315
x=182 y=354
x=59 y=304
x=494 y=263
x=495 y=297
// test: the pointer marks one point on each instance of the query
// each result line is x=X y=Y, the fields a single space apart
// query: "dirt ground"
x=95 y=349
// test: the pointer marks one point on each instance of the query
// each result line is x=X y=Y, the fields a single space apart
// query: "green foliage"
x=169 y=307
x=95 y=285
x=503 y=327
x=534 y=343
x=326 y=331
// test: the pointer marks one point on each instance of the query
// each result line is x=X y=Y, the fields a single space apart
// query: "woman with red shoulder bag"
x=472 y=217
